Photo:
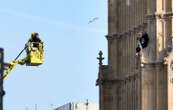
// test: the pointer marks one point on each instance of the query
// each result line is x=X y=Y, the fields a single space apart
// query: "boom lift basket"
x=35 y=53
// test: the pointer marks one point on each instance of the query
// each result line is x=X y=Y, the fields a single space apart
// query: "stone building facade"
x=78 y=106
x=128 y=81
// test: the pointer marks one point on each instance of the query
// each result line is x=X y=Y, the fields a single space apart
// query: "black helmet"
x=34 y=34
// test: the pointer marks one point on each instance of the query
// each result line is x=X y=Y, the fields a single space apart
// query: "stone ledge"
x=118 y=79
x=162 y=15
x=117 y=35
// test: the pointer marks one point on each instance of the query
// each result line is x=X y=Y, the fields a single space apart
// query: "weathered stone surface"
x=143 y=82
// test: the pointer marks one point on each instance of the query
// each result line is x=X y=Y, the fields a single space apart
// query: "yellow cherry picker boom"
x=34 y=55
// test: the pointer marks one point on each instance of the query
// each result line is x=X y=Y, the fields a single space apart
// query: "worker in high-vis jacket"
x=35 y=50
x=33 y=42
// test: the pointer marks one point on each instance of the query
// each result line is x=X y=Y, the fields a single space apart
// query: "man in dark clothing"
x=143 y=41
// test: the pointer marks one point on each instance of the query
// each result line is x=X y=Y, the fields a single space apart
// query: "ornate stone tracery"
x=144 y=81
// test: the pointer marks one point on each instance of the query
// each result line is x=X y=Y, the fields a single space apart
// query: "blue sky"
x=71 y=47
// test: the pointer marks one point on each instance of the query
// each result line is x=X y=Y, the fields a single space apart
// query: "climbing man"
x=143 y=40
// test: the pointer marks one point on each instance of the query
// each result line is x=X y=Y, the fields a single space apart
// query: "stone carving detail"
x=171 y=65
x=132 y=85
x=136 y=29
x=100 y=58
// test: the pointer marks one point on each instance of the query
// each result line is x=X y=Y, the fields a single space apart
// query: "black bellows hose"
x=20 y=53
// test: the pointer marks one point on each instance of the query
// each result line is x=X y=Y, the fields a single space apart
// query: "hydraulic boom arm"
x=34 y=55
x=9 y=67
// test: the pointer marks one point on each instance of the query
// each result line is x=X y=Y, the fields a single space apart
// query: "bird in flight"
x=93 y=20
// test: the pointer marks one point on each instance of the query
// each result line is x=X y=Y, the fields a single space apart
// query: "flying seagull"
x=93 y=20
